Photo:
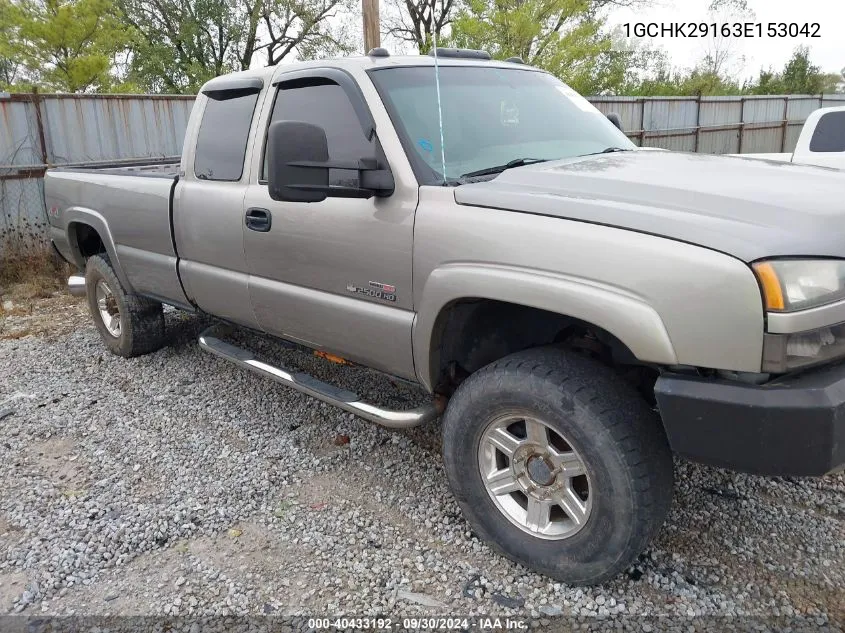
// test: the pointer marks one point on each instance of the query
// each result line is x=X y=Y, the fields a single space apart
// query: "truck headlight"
x=798 y=284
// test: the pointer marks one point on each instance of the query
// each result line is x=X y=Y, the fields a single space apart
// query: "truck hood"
x=749 y=209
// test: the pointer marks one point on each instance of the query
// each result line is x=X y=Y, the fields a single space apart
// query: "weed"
x=35 y=275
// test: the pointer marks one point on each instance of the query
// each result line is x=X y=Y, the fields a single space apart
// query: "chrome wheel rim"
x=535 y=477
x=109 y=311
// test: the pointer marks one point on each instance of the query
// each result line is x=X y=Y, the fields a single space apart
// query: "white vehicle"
x=822 y=141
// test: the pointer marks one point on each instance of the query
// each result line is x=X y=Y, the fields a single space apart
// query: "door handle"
x=258 y=219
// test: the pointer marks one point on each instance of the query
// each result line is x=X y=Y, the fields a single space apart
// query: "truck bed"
x=129 y=205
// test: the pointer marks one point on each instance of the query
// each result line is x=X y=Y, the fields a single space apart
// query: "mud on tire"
x=130 y=325
x=581 y=409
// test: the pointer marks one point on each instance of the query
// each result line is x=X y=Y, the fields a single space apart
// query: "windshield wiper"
x=498 y=169
x=608 y=150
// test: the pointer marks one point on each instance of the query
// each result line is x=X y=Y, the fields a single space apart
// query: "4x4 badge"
x=385 y=287
x=376 y=290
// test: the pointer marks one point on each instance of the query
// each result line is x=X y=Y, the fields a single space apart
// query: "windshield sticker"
x=576 y=99
x=509 y=114
x=425 y=145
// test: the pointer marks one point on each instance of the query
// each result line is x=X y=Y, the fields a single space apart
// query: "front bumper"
x=790 y=426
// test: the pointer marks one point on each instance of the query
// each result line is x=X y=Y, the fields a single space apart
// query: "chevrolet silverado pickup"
x=578 y=308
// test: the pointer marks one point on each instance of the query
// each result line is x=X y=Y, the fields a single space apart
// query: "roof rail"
x=515 y=60
x=464 y=53
x=378 y=52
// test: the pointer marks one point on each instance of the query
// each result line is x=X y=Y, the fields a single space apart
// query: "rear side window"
x=221 y=143
x=829 y=135
x=326 y=104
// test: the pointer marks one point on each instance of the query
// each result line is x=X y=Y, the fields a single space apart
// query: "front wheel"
x=558 y=464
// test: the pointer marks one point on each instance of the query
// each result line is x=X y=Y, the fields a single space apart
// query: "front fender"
x=622 y=313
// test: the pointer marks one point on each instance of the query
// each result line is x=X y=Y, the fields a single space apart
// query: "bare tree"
x=180 y=44
x=309 y=28
x=417 y=22
x=721 y=54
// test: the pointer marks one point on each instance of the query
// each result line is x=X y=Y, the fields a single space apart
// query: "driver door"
x=334 y=275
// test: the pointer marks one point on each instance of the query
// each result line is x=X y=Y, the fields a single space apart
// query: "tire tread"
x=142 y=331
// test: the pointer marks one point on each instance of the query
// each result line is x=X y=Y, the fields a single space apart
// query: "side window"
x=829 y=135
x=325 y=104
x=221 y=143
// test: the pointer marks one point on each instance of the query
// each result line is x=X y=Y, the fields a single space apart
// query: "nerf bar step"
x=307 y=384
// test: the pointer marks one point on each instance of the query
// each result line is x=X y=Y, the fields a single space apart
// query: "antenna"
x=439 y=107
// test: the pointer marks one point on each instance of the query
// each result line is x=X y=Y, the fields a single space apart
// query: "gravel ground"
x=176 y=484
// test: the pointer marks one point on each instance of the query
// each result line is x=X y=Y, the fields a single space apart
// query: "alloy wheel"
x=535 y=477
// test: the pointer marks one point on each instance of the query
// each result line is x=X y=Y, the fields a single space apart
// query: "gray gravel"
x=175 y=484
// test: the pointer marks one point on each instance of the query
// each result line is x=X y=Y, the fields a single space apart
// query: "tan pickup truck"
x=578 y=308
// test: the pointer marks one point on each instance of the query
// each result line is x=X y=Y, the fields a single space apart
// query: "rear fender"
x=75 y=216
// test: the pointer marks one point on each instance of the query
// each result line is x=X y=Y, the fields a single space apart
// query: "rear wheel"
x=558 y=464
x=129 y=325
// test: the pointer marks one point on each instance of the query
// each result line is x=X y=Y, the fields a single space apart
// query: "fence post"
x=39 y=123
x=642 y=121
x=741 y=123
x=697 y=122
x=785 y=124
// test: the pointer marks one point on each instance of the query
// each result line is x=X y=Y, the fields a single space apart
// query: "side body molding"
x=625 y=315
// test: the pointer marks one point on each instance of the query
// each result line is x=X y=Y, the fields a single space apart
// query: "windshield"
x=491 y=116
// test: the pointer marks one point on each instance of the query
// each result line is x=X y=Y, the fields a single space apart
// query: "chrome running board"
x=307 y=384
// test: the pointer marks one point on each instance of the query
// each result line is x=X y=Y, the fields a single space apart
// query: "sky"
x=749 y=55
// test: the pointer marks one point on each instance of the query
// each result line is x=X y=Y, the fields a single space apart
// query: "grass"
x=36 y=275
x=32 y=297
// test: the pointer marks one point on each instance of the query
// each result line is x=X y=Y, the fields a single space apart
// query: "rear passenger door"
x=336 y=274
x=208 y=204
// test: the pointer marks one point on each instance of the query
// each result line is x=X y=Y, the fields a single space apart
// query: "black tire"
x=619 y=439
x=141 y=319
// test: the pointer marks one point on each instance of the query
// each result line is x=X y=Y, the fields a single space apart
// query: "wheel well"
x=471 y=333
x=85 y=240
